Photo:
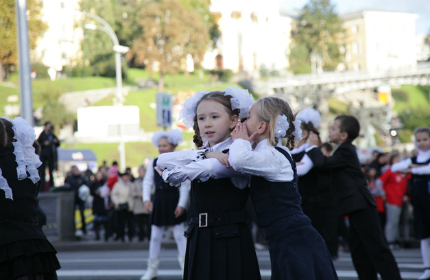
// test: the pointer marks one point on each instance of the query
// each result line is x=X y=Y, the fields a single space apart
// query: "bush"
x=41 y=70
x=104 y=65
x=400 y=95
x=405 y=136
x=223 y=75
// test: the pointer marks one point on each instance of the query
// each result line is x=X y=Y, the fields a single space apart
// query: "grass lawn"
x=418 y=97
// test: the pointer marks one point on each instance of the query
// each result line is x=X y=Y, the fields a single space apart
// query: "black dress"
x=296 y=249
x=318 y=203
x=421 y=202
x=165 y=202
x=24 y=249
x=219 y=243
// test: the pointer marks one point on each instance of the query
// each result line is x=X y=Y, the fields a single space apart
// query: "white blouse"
x=264 y=161
x=307 y=165
x=423 y=156
x=200 y=168
x=148 y=183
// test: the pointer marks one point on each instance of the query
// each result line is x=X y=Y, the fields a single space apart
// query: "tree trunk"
x=2 y=73
x=161 y=82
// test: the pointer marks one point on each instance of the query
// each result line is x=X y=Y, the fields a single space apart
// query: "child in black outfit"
x=369 y=248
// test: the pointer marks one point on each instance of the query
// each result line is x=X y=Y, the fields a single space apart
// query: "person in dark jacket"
x=75 y=181
x=48 y=155
x=99 y=208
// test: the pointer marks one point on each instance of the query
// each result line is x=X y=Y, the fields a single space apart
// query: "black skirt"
x=164 y=205
x=220 y=253
x=421 y=202
x=28 y=257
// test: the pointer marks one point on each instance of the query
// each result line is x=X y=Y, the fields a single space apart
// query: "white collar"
x=221 y=146
x=424 y=154
x=264 y=143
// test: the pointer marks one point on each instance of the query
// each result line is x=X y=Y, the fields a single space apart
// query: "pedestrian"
x=219 y=242
x=317 y=198
x=367 y=243
x=99 y=208
x=419 y=167
x=123 y=201
x=377 y=192
x=75 y=180
x=395 y=186
x=296 y=249
x=128 y=171
x=141 y=215
x=25 y=252
x=48 y=155
x=167 y=207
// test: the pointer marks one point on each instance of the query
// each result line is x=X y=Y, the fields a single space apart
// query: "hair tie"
x=281 y=126
x=240 y=99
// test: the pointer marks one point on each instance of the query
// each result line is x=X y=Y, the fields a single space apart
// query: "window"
x=354 y=48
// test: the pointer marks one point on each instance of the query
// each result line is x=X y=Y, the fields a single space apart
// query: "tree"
x=170 y=33
x=54 y=110
x=319 y=33
x=8 y=31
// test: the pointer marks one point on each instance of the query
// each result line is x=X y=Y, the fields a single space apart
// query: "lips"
x=209 y=133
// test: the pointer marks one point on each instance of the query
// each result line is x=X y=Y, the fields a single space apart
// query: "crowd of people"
x=255 y=161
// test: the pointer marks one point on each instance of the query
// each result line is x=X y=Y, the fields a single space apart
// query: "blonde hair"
x=219 y=97
x=268 y=109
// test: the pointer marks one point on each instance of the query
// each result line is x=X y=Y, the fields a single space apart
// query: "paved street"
x=131 y=264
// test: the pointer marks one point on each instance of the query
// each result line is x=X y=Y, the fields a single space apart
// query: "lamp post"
x=118 y=49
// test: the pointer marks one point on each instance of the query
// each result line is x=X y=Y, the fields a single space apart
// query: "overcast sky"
x=420 y=7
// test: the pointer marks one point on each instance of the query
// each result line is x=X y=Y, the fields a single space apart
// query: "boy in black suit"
x=369 y=248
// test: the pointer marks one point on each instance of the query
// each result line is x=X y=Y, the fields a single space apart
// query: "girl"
x=419 y=167
x=25 y=252
x=314 y=185
x=296 y=249
x=377 y=192
x=395 y=186
x=219 y=243
x=99 y=209
x=167 y=206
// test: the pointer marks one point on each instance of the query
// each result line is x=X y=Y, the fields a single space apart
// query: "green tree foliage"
x=54 y=110
x=170 y=33
x=8 y=31
x=412 y=119
x=319 y=32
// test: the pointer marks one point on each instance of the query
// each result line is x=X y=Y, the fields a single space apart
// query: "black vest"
x=275 y=200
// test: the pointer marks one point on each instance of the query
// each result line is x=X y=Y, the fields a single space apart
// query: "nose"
x=208 y=123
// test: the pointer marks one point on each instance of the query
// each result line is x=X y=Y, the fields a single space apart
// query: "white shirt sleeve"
x=202 y=169
x=174 y=159
x=422 y=170
x=265 y=162
x=404 y=164
x=148 y=182
x=184 y=190
x=304 y=168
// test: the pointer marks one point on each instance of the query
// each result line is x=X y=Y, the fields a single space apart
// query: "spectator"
x=128 y=171
x=141 y=215
x=395 y=186
x=88 y=175
x=378 y=193
x=121 y=197
x=113 y=175
x=48 y=155
x=75 y=181
x=99 y=209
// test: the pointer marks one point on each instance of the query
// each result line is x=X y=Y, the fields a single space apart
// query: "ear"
x=234 y=121
x=343 y=136
x=305 y=134
x=262 y=128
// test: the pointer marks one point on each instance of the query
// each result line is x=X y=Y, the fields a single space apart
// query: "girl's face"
x=215 y=124
x=252 y=122
x=423 y=141
x=164 y=146
x=371 y=172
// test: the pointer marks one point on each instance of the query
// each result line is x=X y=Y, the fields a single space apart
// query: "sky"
x=419 y=7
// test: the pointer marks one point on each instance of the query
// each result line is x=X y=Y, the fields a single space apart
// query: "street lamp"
x=118 y=49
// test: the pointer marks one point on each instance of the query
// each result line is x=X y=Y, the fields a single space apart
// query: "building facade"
x=254 y=35
x=379 y=40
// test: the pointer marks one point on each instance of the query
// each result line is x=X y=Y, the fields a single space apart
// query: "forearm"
x=183 y=194
x=171 y=160
x=404 y=164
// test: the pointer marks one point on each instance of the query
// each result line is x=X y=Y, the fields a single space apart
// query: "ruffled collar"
x=220 y=146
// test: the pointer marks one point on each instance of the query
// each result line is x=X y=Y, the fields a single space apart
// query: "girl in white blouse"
x=167 y=206
x=219 y=242
x=419 y=167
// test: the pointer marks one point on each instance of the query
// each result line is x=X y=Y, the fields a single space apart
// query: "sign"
x=164 y=109
x=384 y=94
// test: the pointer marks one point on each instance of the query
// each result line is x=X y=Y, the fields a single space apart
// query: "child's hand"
x=223 y=158
x=314 y=140
x=241 y=132
x=414 y=165
x=299 y=163
x=156 y=168
x=148 y=206
x=405 y=171
x=179 y=211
